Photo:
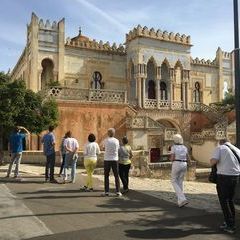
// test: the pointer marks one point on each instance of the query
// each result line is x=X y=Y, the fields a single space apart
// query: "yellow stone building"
x=148 y=87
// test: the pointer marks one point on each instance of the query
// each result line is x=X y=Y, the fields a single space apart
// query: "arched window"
x=196 y=92
x=47 y=75
x=151 y=92
x=163 y=91
x=97 y=80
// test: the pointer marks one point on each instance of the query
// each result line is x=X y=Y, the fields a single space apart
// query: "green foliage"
x=54 y=84
x=23 y=107
x=229 y=99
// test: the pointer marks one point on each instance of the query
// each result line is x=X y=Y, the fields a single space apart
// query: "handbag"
x=213 y=174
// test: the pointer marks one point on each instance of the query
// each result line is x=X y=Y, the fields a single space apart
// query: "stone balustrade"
x=87 y=95
x=163 y=104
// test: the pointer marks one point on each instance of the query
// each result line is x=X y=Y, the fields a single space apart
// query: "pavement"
x=32 y=209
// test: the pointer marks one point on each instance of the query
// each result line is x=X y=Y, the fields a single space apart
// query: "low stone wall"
x=141 y=167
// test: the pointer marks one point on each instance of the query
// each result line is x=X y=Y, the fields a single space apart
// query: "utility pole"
x=237 y=84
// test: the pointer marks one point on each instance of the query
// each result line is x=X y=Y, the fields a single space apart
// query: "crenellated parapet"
x=85 y=43
x=203 y=62
x=48 y=25
x=226 y=55
x=158 y=34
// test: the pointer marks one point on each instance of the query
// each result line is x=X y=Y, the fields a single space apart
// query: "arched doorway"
x=159 y=145
x=47 y=75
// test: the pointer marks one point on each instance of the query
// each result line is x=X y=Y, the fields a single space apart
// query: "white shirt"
x=111 y=145
x=91 y=149
x=180 y=152
x=71 y=143
x=227 y=162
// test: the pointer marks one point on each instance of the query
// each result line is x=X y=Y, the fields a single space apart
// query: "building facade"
x=147 y=88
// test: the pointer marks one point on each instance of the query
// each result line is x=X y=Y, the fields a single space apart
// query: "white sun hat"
x=177 y=138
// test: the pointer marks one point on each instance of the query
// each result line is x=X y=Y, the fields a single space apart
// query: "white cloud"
x=93 y=8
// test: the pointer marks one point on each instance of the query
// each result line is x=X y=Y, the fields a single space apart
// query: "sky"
x=208 y=22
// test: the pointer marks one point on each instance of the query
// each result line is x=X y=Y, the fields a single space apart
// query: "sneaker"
x=84 y=188
x=105 y=194
x=53 y=181
x=182 y=204
x=125 y=191
x=230 y=230
x=119 y=194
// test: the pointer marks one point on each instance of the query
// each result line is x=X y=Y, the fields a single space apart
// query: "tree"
x=22 y=107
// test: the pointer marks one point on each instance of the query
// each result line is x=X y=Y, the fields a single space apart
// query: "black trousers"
x=123 y=173
x=226 y=186
x=108 y=165
x=63 y=163
x=50 y=163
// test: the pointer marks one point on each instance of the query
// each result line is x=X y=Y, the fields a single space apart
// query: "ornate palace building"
x=147 y=88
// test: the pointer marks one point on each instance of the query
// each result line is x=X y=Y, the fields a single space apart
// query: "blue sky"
x=208 y=22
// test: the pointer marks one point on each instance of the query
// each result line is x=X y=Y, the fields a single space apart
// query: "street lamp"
x=237 y=84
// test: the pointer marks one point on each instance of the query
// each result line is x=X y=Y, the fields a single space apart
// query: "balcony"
x=87 y=95
x=163 y=104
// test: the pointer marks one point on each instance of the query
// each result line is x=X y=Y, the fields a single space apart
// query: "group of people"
x=116 y=157
x=226 y=158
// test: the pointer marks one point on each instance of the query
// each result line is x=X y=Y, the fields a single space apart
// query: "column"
x=184 y=95
x=143 y=91
x=187 y=86
x=159 y=77
x=171 y=93
x=171 y=75
x=186 y=83
x=158 y=93
x=139 y=95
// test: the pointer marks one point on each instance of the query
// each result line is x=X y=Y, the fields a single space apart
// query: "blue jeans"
x=70 y=160
x=50 y=164
x=15 y=158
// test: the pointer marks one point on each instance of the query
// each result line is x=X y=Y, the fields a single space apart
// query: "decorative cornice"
x=204 y=62
x=94 y=45
x=159 y=35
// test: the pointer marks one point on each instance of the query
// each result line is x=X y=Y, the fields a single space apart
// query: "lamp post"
x=237 y=84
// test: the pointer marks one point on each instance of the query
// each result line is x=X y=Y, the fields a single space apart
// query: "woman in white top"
x=179 y=157
x=91 y=149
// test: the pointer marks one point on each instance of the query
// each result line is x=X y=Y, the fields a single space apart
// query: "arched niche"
x=47 y=75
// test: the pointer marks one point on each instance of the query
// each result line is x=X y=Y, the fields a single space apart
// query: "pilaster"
x=61 y=50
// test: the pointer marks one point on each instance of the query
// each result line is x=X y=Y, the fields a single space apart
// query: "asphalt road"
x=32 y=209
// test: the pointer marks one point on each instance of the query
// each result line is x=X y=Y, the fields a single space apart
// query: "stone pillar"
x=139 y=94
x=61 y=50
x=171 y=75
x=186 y=75
x=183 y=94
x=158 y=86
x=33 y=57
x=143 y=91
x=187 y=101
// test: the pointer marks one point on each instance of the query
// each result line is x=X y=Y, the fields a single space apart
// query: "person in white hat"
x=179 y=157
